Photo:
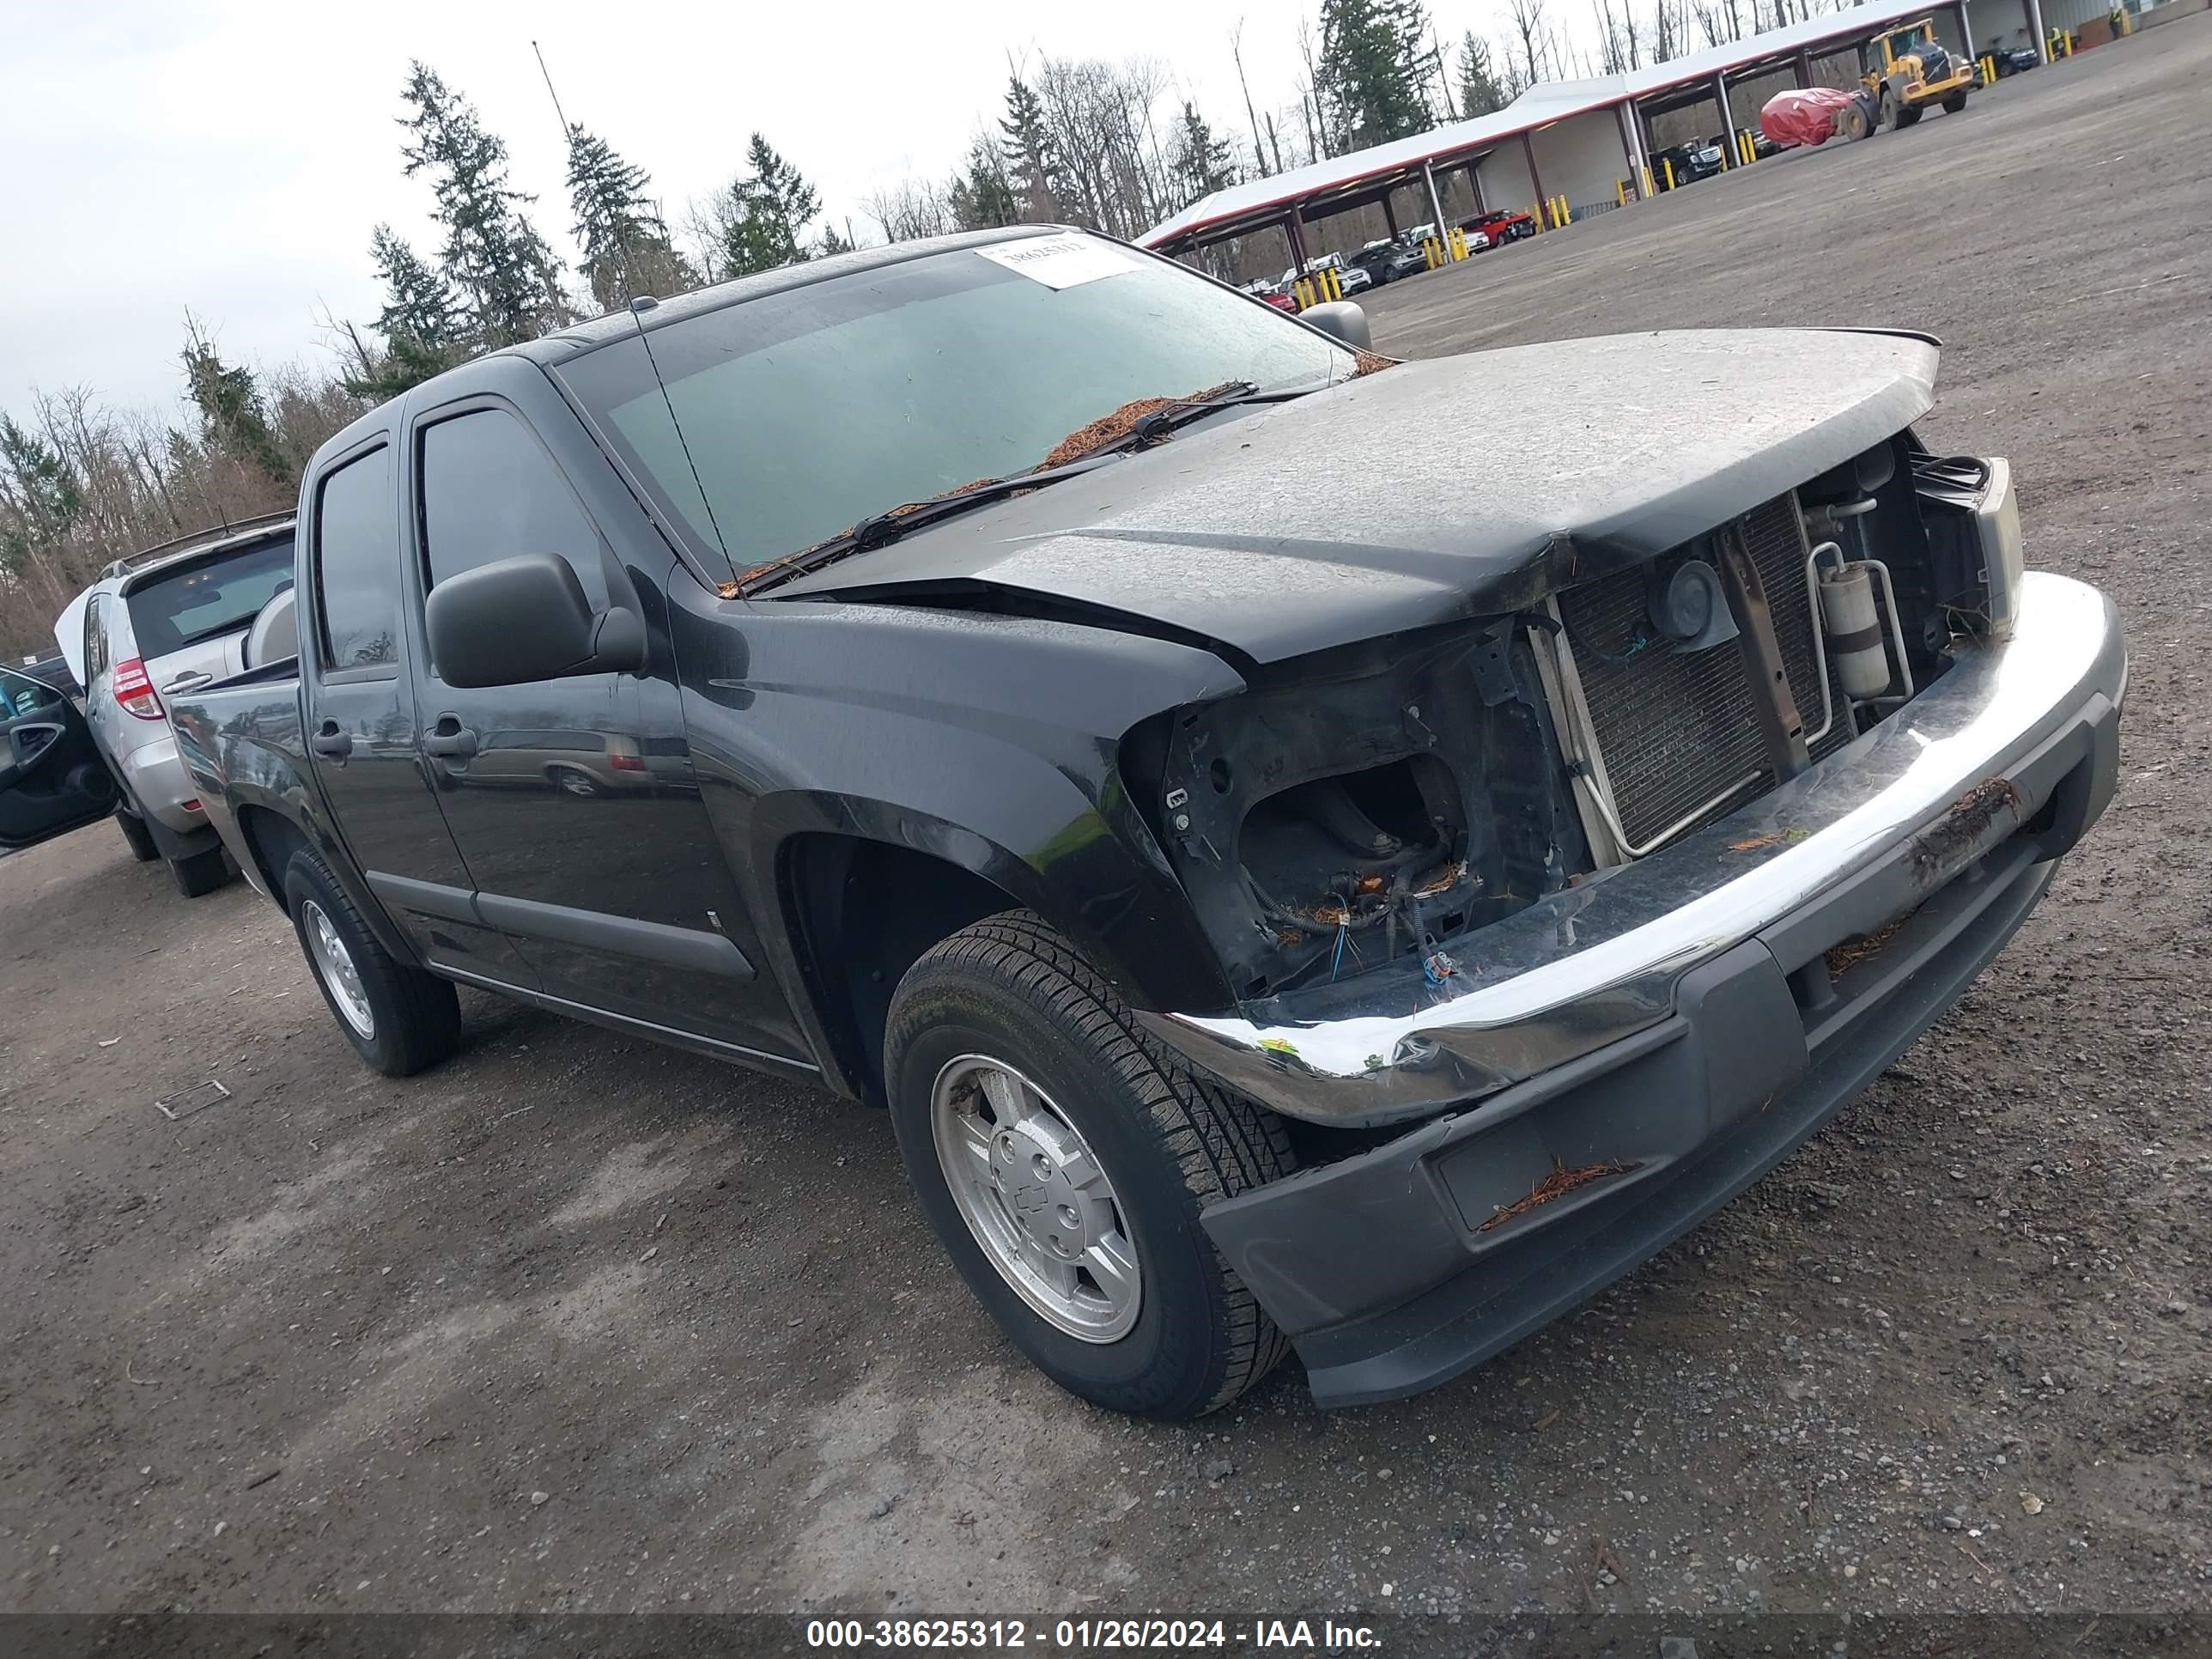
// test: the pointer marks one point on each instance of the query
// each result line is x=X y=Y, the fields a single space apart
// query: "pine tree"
x=1032 y=158
x=1479 y=91
x=492 y=253
x=40 y=490
x=233 y=421
x=425 y=332
x=981 y=195
x=1203 y=163
x=1370 y=74
x=832 y=243
x=771 y=205
x=627 y=250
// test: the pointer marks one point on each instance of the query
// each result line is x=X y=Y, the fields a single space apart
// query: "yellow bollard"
x=1668 y=163
x=1648 y=192
x=1620 y=192
x=1458 y=243
x=1431 y=249
x=1335 y=283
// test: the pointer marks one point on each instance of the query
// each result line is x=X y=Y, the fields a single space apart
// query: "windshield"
x=806 y=411
x=200 y=601
x=1910 y=40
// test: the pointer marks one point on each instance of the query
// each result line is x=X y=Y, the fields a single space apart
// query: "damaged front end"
x=1437 y=864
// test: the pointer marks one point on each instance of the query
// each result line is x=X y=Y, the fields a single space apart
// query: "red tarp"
x=1808 y=117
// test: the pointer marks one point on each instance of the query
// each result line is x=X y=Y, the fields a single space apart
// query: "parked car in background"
x=1387 y=260
x=2012 y=60
x=1374 y=916
x=169 y=619
x=1700 y=158
x=1496 y=228
x=1354 y=280
x=52 y=671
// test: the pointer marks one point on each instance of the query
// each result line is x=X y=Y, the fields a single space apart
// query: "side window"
x=357 y=564
x=490 y=492
x=96 y=639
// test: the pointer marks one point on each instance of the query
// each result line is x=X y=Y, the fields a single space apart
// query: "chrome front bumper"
x=1898 y=812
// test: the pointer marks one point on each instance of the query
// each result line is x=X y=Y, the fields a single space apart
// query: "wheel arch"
x=857 y=912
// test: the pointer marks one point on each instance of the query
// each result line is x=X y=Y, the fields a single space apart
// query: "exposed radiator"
x=1675 y=732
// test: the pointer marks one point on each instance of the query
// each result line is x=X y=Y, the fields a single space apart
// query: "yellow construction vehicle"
x=1906 y=71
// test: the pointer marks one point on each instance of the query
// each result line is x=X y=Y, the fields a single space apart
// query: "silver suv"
x=168 y=620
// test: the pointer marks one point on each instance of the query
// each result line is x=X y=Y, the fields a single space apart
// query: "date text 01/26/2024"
x=1086 y=1635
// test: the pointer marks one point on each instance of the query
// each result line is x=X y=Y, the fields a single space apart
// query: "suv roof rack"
x=196 y=539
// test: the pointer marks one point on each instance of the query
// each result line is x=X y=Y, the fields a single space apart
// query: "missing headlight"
x=1362 y=807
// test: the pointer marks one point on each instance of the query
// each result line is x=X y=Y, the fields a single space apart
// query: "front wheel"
x=1955 y=104
x=399 y=1018
x=1063 y=1160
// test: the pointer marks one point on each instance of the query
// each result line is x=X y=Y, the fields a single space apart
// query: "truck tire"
x=1909 y=116
x=399 y=1018
x=1955 y=104
x=1063 y=1158
x=1892 y=111
x=137 y=837
x=200 y=873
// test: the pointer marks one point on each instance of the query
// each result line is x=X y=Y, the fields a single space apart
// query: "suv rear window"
x=205 y=600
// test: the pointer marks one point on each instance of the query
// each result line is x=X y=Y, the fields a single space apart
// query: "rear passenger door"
x=361 y=722
x=573 y=800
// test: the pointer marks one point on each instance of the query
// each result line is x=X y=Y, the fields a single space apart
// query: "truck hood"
x=1429 y=492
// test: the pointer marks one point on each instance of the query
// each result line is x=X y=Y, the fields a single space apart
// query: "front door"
x=574 y=801
x=360 y=720
x=51 y=779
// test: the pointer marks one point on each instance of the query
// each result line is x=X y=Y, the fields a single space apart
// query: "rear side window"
x=490 y=492
x=96 y=639
x=357 y=564
x=207 y=601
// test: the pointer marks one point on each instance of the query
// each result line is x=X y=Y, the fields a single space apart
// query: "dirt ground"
x=575 y=1322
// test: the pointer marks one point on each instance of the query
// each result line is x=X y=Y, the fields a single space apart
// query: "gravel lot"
x=578 y=1323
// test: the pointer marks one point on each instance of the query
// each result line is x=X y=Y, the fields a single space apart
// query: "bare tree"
x=1237 y=55
x=1528 y=20
x=910 y=210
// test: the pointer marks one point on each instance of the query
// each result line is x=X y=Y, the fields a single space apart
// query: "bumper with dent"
x=157 y=781
x=1663 y=1036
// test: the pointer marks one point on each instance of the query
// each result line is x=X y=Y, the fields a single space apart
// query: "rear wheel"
x=137 y=837
x=200 y=873
x=1892 y=111
x=399 y=1018
x=1857 y=123
x=570 y=781
x=1063 y=1160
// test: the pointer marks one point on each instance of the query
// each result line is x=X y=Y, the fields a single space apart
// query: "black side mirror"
x=523 y=619
x=1342 y=320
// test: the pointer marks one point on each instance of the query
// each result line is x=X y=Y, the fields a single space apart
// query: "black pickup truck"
x=1302 y=868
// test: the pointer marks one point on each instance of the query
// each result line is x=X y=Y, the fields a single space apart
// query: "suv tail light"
x=134 y=691
x=625 y=764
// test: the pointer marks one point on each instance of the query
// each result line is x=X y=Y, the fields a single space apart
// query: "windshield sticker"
x=1061 y=261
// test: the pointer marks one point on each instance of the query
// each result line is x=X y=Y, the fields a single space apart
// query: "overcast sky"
x=230 y=156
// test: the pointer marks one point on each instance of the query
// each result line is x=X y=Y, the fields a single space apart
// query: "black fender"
x=992 y=743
